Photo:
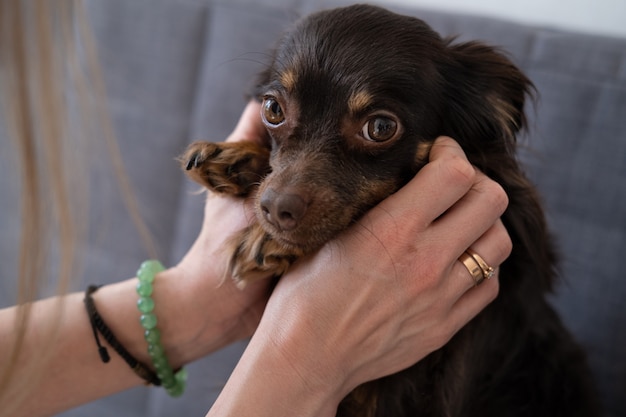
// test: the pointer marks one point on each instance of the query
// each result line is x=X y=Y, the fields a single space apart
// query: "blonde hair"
x=53 y=101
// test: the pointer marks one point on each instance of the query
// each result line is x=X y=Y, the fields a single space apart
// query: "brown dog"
x=352 y=101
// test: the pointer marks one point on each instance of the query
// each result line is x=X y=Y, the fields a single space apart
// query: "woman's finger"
x=493 y=248
x=436 y=187
x=470 y=217
x=473 y=302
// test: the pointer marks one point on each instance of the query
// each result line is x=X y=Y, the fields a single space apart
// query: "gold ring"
x=487 y=270
x=473 y=267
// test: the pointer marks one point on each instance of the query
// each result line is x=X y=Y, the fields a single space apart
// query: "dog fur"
x=352 y=100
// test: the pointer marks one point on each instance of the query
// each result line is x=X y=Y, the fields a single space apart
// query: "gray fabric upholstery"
x=177 y=71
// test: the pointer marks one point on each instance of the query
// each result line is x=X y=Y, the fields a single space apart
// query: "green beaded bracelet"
x=173 y=382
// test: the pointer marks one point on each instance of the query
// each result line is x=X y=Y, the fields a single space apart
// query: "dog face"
x=352 y=101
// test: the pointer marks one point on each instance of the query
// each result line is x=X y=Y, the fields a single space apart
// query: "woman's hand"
x=391 y=290
x=382 y=296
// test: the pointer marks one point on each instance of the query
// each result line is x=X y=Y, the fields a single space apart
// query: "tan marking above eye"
x=288 y=79
x=359 y=102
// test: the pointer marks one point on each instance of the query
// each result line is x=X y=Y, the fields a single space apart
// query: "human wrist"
x=272 y=380
x=117 y=305
x=193 y=321
x=294 y=347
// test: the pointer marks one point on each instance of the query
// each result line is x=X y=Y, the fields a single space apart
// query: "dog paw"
x=258 y=256
x=233 y=168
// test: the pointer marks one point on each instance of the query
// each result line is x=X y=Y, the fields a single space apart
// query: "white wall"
x=606 y=17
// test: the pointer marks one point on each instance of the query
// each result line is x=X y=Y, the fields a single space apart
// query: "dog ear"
x=485 y=96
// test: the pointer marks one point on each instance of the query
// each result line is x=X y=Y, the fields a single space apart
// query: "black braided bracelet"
x=97 y=324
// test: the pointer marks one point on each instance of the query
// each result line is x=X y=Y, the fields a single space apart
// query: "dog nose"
x=283 y=210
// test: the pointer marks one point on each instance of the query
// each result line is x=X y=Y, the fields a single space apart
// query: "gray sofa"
x=177 y=71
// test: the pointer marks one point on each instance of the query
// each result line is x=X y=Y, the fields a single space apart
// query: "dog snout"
x=283 y=210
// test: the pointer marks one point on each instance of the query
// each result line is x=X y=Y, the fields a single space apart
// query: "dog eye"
x=379 y=129
x=272 y=112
